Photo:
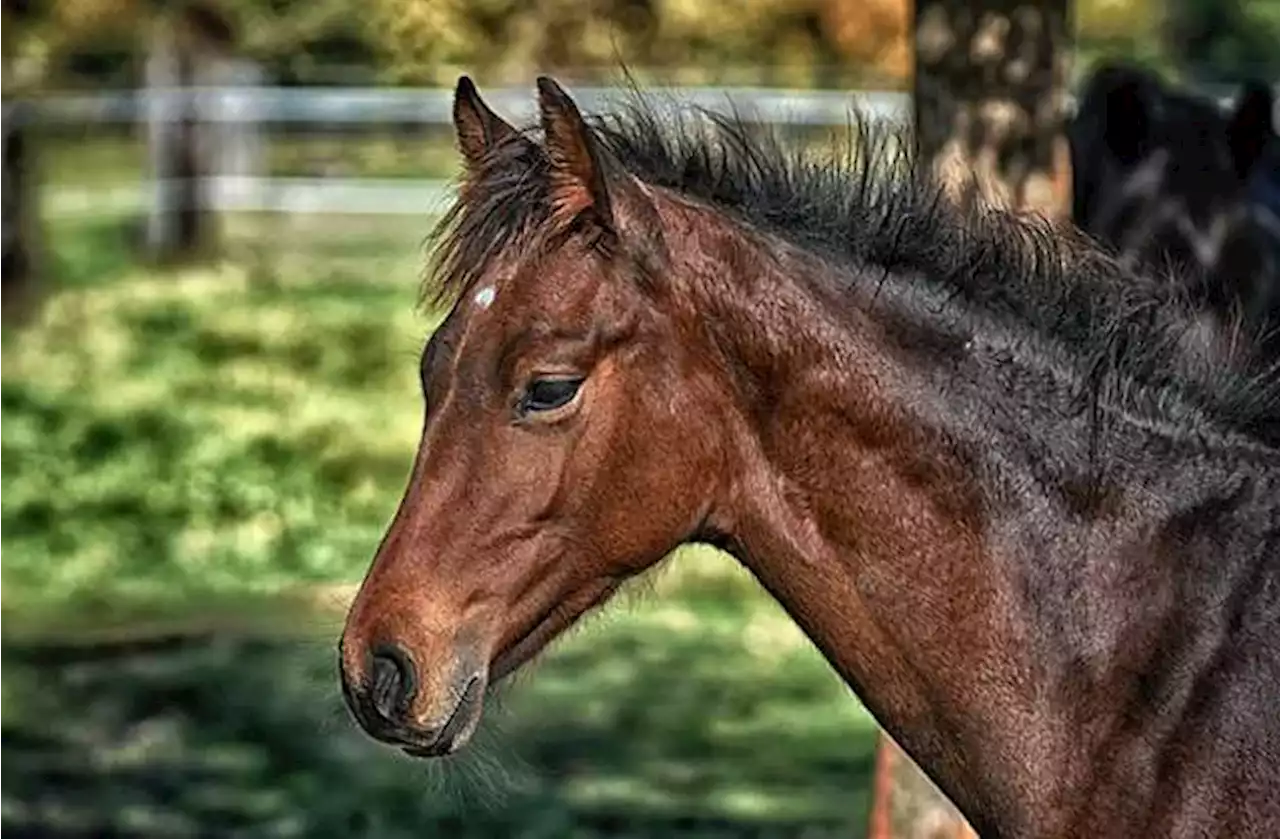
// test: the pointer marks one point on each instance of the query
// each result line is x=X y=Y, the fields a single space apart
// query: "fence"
x=237 y=115
x=243 y=111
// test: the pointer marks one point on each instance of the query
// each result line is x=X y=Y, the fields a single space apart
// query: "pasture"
x=198 y=466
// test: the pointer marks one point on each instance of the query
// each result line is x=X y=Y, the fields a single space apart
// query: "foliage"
x=657 y=720
x=875 y=32
x=794 y=42
x=424 y=41
x=211 y=433
x=175 y=441
x=1226 y=39
x=1107 y=29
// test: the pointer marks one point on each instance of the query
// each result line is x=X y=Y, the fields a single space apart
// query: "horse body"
x=966 y=453
x=1006 y=614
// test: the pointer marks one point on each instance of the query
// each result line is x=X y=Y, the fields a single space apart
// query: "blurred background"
x=210 y=404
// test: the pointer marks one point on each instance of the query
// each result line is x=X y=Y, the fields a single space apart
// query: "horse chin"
x=549 y=627
x=458 y=729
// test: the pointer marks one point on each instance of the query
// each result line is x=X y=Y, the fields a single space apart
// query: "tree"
x=990 y=113
x=785 y=42
x=1224 y=40
x=20 y=268
x=991 y=96
x=872 y=33
x=20 y=260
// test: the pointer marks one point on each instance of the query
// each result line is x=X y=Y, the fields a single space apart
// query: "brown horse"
x=961 y=448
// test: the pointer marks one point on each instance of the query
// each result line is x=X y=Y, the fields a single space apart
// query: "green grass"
x=653 y=721
x=208 y=433
x=93 y=158
x=192 y=449
x=104 y=159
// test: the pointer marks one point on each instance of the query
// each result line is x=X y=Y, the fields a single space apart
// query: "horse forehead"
x=554 y=287
x=484 y=297
x=516 y=302
x=472 y=322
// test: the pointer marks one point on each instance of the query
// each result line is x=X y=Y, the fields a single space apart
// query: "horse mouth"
x=457 y=730
x=550 y=624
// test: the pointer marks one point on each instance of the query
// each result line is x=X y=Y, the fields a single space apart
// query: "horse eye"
x=549 y=394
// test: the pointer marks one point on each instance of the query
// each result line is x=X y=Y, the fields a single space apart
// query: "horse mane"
x=873 y=209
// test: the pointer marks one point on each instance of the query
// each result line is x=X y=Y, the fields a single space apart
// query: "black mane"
x=871 y=206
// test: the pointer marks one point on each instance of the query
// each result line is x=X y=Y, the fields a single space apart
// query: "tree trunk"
x=179 y=227
x=990 y=112
x=20 y=268
x=990 y=99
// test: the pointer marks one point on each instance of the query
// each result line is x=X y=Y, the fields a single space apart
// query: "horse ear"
x=1251 y=125
x=479 y=128
x=577 y=178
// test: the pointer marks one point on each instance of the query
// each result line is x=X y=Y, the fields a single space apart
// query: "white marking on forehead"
x=484 y=297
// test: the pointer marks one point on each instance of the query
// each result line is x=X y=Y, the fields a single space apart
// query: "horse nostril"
x=393 y=682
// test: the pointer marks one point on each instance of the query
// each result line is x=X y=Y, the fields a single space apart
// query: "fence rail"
x=434 y=106
x=249 y=108
x=231 y=193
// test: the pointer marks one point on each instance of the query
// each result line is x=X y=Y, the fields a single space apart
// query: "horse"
x=964 y=449
x=1167 y=180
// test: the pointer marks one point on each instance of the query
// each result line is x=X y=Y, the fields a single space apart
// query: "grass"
x=100 y=158
x=214 y=452
x=655 y=721
x=208 y=434
x=108 y=158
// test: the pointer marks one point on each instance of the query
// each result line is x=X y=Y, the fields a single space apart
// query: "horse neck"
x=883 y=502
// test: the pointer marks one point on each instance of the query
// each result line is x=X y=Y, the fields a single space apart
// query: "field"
x=91 y=156
x=198 y=466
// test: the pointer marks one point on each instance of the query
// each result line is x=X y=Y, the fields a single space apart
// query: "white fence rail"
x=433 y=106
x=230 y=193
x=245 y=110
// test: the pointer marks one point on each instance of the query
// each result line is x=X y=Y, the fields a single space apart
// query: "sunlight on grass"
x=197 y=432
x=108 y=159
x=214 y=453
x=204 y=433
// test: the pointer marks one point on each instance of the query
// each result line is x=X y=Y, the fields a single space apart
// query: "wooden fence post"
x=186 y=47
x=171 y=228
x=232 y=142
x=20 y=261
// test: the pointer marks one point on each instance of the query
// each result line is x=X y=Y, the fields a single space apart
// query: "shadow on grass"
x=631 y=729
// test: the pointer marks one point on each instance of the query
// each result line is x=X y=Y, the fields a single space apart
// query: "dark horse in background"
x=967 y=452
x=1172 y=183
